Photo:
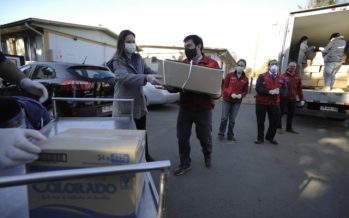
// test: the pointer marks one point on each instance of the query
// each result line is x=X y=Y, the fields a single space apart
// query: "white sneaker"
x=326 y=89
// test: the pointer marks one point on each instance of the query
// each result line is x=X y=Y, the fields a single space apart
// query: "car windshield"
x=91 y=72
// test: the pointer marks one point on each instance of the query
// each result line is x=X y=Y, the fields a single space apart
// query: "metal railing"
x=54 y=99
x=32 y=178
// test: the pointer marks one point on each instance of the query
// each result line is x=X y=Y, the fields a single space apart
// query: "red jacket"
x=197 y=101
x=232 y=84
x=294 y=85
x=265 y=83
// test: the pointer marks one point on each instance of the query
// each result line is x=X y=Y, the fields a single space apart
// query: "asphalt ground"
x=306 y=175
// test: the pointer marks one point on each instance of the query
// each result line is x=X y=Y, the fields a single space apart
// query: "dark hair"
x=196 y=39
x=9 y=108
x=274 y=60
x=120 y=45
x=295 y=50
x=242 y=60
x=334 y=35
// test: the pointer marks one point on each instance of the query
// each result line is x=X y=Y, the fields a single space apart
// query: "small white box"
x=106 y=196
x=191 y=77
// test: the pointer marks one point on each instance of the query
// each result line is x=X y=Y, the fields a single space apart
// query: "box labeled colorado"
x=191 y=77
x=106 y=196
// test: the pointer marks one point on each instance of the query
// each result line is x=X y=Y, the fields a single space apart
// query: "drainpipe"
x=42 y=36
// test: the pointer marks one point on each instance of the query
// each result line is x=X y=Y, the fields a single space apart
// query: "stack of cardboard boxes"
x=312 y=76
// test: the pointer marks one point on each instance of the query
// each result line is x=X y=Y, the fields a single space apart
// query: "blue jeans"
x=229 y=112
x=330 y=73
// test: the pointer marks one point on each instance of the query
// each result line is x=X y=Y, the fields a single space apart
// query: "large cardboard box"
x=311 y=83
x=305 y=76
x=191 y=77
x=106 y=196
x=318 y=59
x=312 y=69
x=342 y=84
x=317 y=76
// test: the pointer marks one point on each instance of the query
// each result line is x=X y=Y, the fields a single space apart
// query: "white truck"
x=318 y=24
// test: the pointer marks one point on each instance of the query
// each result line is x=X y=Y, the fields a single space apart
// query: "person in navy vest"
x=269 y=86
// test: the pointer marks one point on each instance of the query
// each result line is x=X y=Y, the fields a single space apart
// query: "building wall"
x=66 y=49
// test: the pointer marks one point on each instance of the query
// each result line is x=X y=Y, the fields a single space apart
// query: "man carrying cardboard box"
x=195 y=108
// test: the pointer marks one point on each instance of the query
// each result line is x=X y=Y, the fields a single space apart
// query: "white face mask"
x=273 y=69
x=239 y=70
x=130 y=48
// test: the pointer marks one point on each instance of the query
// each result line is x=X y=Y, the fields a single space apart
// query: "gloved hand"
x=233 y=96
x=274 y=91
x=35 y=88
x=153 y=79
x=15 y=147
x=301 y=103
x=238 y=96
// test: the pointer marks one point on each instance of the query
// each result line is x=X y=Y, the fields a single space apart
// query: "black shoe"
x=231 y=138
x=220 y=136
x=148 y=158
x=292 y=131
x=259 y=141
x=181 y=169
x=272 y=141
x=208 y=162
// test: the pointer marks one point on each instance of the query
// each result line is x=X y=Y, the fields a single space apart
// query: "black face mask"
x=190 y=53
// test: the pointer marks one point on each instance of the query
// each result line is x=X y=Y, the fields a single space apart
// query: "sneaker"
x=259 y=141
x=231 y=138
x=181 y=169
x=292 y=131
x=208 y=162
x=220 y=136
x=273 y=141
x=280 y=131
x=326 y=89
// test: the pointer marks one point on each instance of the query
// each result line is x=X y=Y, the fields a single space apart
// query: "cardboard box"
x=305 y=76
x=344 y=69
x=312 y=69
x=318 y=59
x=106 y=196
x=196 y=78
x=342 y=84
x=310 y=83
x=317 y=76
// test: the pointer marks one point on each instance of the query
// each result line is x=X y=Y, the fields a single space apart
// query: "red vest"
x=232 y=84
x=294 y=86
x=269 y=83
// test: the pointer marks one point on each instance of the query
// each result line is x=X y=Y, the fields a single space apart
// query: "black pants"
x=203 y=128
x=290 y=105
x=141 y=124
x=273 y=112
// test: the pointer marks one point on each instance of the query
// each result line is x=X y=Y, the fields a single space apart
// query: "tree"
x=320 y=3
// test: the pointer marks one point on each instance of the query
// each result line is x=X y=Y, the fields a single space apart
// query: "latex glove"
x=277 y=91
x=153 y=79
x=272 y=91
x=233 y=96
x=16 y=148
x=35 y=88
x=301 y=103
x=238 y=96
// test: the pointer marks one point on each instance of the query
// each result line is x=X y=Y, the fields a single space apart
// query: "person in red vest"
x=235 y=87
x=269 y=86
x=288 y=100
x=195 y=108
